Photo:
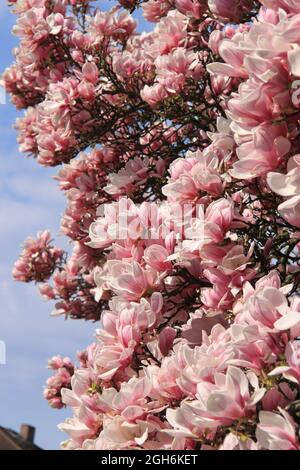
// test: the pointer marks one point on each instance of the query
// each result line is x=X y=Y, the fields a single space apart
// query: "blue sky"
x=29 y=201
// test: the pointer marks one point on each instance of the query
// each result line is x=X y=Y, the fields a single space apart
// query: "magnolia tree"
x=180 y=162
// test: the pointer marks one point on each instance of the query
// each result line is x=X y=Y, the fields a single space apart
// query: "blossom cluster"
x=61 y=379
x=205 y=383
x=38 y=259
x=181 y=169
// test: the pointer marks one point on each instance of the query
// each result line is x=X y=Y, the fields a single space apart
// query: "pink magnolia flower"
x=126 y=322
x=86 y=90
x=61 y=99
x=278 y=397
x=130 y=402
x=215 y=39
x=268 y=306
x=154 y=94
x=21 y=6
x=252 y=347
x=228 y=9
x=201 y=363
x=78 y=429
x=217 y=404
x=292 y=370
x=233 y=442
x=263 y=154
x=192 y=176
x=164 y=379
x=112 y=358
x=234 y=60
x=32 y=25
x=110 y=23
x=211 y=227
x=156 y=256
x=55 y=22
x=191 y=8
x=153 y=10
x=219 y=297
x=291 y=6
x=290 y=318
x=90 y=72
x=166 y=339
x=222 y=140
x=276 y=432
x=109 y=228
x=63 y=372
x=286 y=185
x=170 y=33
x=129 y=280
x=219 y=215
x=119 y=434
x=290 y=210
x=136 y=171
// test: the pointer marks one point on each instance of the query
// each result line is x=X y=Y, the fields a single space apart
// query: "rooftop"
x=12 y=440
